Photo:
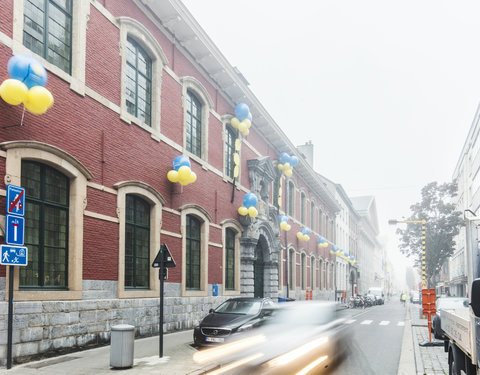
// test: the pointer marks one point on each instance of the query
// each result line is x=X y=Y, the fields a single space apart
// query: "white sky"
x=386 y=90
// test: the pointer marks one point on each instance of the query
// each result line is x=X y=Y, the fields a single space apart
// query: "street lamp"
x=423 y=222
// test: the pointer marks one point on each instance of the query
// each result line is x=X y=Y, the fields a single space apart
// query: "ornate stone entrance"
x=260 y=242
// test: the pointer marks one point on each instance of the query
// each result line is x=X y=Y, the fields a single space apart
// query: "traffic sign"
x=168 y=260
x=13 y=255
x=14 y=230
x=15 y=200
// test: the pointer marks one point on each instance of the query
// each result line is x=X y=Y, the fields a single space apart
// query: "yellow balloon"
x=288 y=227
x=172 y=176
x=280 y=167
x=236 y=158
x=246 y=132
x=246 y=123
x=13 y=91
x=235 y=171
x=288 y=172
x=235 y=122
x=243 y=210
x=283 y=225
x=238 y=144
x=306 y=237
x=299 y=235
x=184 y=173
x=252 y=211
x=38 y=100
x=193 y=178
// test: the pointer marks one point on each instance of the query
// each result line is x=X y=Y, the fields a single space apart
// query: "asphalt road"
x=376 y=340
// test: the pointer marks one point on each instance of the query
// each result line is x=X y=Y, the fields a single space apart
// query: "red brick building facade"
x=136 y=84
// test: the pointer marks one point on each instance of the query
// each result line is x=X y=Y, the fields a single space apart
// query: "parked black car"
x=446 y=303
x=233 y=316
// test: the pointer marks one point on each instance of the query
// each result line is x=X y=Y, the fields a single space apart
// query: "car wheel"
x=452 y=367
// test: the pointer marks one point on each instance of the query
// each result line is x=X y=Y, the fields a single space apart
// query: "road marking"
x=367 y=322
x=384 y=323
x=350 y=321
x=401 y=324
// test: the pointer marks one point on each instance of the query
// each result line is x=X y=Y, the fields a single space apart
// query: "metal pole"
x=160 y=338
x=10 y=316
x=287 y=260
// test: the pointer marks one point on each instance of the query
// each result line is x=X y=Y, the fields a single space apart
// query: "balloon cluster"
x=304 y=234
x=284 y=223
x=181 y=171
x=286 y=163
x=26 y=84
x=249 y=205
x=322 y=242
x=343 y=254
x=243 y=119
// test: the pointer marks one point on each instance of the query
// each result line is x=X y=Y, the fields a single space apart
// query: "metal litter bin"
x=121 y=346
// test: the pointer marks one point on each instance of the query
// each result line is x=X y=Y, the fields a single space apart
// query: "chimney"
x=306 y=151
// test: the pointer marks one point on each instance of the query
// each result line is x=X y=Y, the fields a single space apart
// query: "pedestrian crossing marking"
x=350 y=321
x=367 y=322
x=384 y=322
x=401 y=324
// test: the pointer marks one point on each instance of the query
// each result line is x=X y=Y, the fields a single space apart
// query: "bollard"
x=121 y=346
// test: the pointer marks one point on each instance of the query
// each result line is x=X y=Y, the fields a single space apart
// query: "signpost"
x=428 y=305
x=13 y=253
x=163 y=261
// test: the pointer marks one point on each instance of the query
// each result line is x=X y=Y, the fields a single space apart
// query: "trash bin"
x=121 y=346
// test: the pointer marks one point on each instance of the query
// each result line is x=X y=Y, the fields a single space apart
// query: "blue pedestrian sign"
x=15 y=200
x=13 y=255
x=14 y=230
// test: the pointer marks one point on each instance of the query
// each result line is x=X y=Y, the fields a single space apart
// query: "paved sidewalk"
x=429 y=360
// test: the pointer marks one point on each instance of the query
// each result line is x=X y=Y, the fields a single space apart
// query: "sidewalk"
x=429 y=360
x=177 y=359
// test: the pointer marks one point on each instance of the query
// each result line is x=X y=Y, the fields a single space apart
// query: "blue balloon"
x=283 y=218
x=241 y=111
x=293 y=161
x=180 y=161
x=334 y=248
x=345 y=253
x=305 y=230
x=27 y=69
x=250 y=200
x=284 y=158
x=321 y=240
x=352 y=257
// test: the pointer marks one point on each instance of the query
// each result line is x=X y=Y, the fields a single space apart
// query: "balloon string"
x=21 y=122
x=23 y=115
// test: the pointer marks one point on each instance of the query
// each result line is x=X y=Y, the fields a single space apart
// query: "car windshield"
x=452 y=303
x=239 y=307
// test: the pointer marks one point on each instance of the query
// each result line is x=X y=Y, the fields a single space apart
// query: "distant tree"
x=410 y=278
x=442 y=223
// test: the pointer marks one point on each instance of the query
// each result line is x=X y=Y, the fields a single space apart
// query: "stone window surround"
x=16 y=151
x=201 y=93
x=130 y=28
x=80 y=16
x=294 y=189
x=156 y=201
x=205 y=218
x=231 y=224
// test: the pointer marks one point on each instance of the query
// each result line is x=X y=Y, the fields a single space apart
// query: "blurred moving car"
x=415 y=297
x=378 y=294
x=300 y=338
x=231 y=317
x=444 y=303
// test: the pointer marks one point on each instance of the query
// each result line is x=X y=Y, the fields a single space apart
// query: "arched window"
x=303 y=207
x=312 y=215
x=230 y=237
x=320 y=222
x=47 y=193
x=312 y=272
x=230 y=137
x=47 y=31
x=303 y=271
x=194 y=124
x=137 y=243
x=320 y=274
x=139 y=82
x=292 y=269
x=193 y=252
x=291 y=199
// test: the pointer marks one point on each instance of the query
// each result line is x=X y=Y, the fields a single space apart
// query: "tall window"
x=46 y=227
x=312 y=215
x=312 y=270
x=291 y=269
x=48 y=30
x=291 y=198
x=194 y=124
x=303 y=267
x=137 y=242
x=193 y=247
x=303 y=207
x=320 y=274
x=139 y=82
x=320 y=219
x=230 y=259
x=230 y=137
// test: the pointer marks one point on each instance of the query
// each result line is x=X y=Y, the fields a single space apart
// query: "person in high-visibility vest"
x=403 y=298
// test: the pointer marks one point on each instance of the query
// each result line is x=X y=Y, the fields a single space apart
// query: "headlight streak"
x=311 y=365
x=236 y=364
x=296 y=353
x=227 y=349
